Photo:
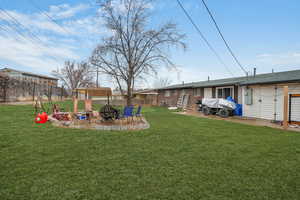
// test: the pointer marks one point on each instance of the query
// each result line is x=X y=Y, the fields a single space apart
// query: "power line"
x=4 y=29
x=203 y=37
x=220 y=33
x=14 y=28
x=8 y=29
x=34 y=4
x=48 y=16
x=32 y=38
x=20 y=24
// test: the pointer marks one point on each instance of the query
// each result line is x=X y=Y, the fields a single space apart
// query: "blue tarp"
x=239 y=107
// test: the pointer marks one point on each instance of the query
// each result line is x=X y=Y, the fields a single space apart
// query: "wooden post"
x=88 y=105
x=50 y=93
x=285 y=106
x=75 y=104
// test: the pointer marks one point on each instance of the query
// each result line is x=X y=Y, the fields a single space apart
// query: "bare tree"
x=74 y=75
x=162 y=82
x=133 y=50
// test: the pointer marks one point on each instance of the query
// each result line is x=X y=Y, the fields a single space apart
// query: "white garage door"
x=267 y=107
x=295 y=108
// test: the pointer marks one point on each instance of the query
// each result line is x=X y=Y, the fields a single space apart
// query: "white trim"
x=231 y=87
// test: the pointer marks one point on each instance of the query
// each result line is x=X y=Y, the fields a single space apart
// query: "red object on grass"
x=41 y=118
x=45 y=116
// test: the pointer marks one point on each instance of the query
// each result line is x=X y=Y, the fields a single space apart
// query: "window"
x=167 y=93
x=197 y=92
x=249 y=96
x=224 y=92
x=182 y=92
x=174 y=92
x=220 y=93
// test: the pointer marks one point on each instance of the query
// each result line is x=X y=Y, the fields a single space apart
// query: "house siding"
x=268 y=101
x=175 y=94
x=240 y=94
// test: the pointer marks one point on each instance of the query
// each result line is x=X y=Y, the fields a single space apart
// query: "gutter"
x=271 y=82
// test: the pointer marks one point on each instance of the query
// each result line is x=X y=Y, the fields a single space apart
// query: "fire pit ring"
x=109 y=113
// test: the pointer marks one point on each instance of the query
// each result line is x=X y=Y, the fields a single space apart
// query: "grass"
x=179 y=157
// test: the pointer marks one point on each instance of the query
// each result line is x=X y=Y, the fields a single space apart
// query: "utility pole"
x=33 y=92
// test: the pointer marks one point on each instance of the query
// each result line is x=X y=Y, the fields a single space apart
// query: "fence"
x=12 y=90
x=122 y=102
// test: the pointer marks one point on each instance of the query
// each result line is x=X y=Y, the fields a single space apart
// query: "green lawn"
x=179 y=157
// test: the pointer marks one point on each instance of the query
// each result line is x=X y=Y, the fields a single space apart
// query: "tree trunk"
x=129 y=97
x=129 y=94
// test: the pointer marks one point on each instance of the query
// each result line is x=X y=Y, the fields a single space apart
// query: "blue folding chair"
x=128 y=112
x=138 y=113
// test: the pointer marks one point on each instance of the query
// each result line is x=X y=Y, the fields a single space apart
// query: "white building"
x=30 y=77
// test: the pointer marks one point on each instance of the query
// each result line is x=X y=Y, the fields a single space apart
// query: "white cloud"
x=66 y=11
x=23 y=52
x=40 y=22
x=58 y=44
x=289 y=58
x=120 y=6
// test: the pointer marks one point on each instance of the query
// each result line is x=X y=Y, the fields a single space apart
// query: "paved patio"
x=242 y=120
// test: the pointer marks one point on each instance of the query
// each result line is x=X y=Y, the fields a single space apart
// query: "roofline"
x=30 y=74
x=41 y=76
x=238 y=82
x=270 y=82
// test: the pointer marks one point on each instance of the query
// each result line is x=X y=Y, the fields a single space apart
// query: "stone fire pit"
x=99 y=124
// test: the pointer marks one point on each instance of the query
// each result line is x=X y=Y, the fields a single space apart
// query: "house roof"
x=278 y=77
x=269 y=78
x=27 y=73
x=102 y=91
x=146 y=91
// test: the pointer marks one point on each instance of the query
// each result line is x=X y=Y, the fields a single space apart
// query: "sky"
x=262 y=34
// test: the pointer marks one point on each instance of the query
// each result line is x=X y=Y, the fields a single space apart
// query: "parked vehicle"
x=214 y=106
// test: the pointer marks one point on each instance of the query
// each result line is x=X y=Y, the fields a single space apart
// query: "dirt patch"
x=241 y=120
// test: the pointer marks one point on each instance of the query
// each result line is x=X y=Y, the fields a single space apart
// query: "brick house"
x=261 y=95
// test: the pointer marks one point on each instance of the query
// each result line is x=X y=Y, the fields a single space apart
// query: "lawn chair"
x=138 y=113
x=127 y=113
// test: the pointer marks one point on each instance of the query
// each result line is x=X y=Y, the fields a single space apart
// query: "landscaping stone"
x=116 y=125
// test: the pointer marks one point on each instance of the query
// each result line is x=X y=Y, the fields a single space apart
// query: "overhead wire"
x=21 y=25
x=15 y=29
x=51 y=19
x=48 y=16
x=27 y=38
x=33 y=38
x=204 y=38
x=223 y=38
